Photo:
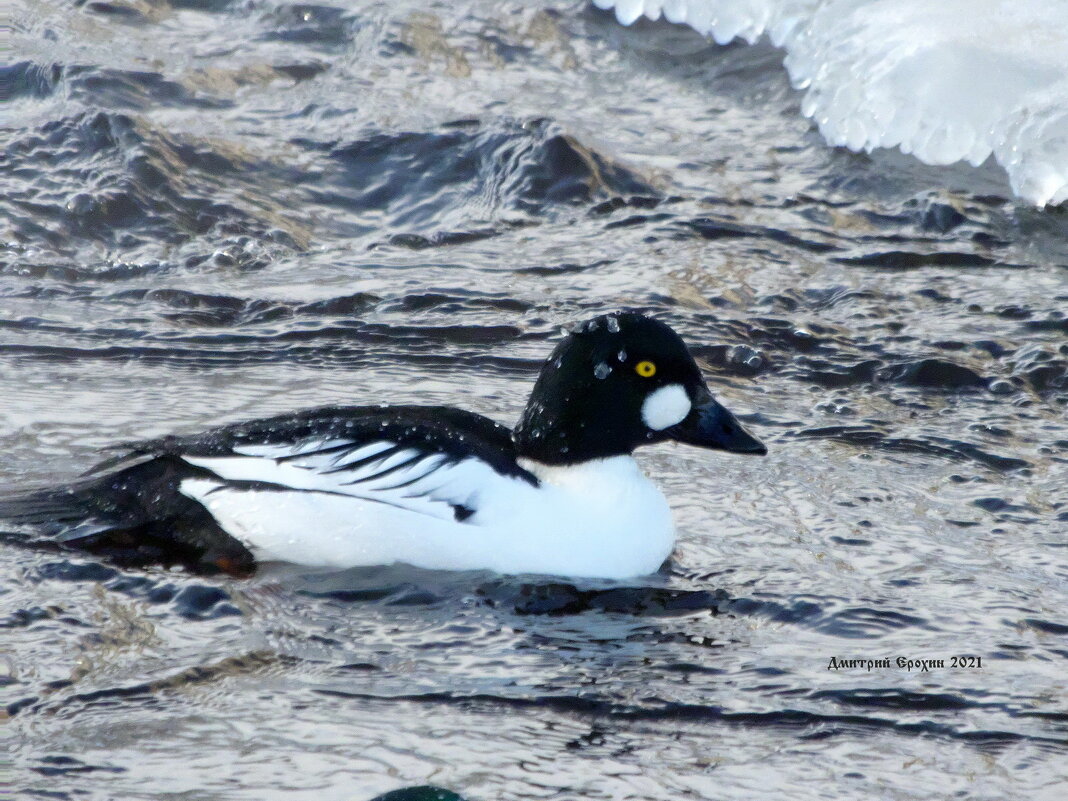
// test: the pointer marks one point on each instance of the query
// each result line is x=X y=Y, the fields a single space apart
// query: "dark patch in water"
x=868 y=437
x=933 y=374
x=566 y=599
x=421 y=793
x=1046 y=626
x=62 y=764
x=867 y=622
x=143 y=185
x=708 y=228
x=804 y=725
x=411 y=176
x=189 y=600
x=896 y=699
x=904 y=260
x=127 y=89
x=27 y=79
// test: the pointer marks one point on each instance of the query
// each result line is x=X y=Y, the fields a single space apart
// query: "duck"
x=435 y=487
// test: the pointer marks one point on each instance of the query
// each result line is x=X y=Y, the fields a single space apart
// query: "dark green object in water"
x=424 y=793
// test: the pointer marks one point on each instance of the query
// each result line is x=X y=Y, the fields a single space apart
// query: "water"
x=222 y=210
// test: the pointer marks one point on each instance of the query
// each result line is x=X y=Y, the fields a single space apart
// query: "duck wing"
x=432 y=461
x=435 y=461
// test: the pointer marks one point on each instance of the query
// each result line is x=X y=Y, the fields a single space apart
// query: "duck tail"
x=44 y=508
x=136 y=516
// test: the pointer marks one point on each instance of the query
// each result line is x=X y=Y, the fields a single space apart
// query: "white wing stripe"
x=403 y=477
x=264 y=471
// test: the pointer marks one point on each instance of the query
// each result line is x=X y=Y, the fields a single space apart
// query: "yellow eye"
x=645 y=369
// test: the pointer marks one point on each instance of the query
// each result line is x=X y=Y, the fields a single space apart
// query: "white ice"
x=943 y=80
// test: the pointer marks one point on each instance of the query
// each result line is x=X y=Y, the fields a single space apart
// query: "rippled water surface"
x=214 y=210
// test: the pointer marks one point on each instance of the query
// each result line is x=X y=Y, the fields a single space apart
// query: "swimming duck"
x=435 y=487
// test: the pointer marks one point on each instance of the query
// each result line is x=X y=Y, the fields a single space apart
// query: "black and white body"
x=434 y=487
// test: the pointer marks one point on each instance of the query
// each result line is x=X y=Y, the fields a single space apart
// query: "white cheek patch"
x=666 y=407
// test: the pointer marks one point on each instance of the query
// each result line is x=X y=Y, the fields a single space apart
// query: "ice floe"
x=944 y=80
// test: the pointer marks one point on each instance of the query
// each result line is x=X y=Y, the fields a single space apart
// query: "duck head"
x=619 y=381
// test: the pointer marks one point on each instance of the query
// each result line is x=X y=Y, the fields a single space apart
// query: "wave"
x=947 y=81
x=119 y=182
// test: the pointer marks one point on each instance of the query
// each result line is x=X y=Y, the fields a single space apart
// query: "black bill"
x=709 y=425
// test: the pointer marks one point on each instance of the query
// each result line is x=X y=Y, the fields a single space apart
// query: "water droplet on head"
x=622 y=356
x=613 y=324
x=602 y=370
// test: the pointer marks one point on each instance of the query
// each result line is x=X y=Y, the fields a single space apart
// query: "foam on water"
x=947 y=81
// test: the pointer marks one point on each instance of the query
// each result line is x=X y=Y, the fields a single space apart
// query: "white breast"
x=601 y=519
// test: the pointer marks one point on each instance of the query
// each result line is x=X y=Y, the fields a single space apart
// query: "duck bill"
x=709 y=425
